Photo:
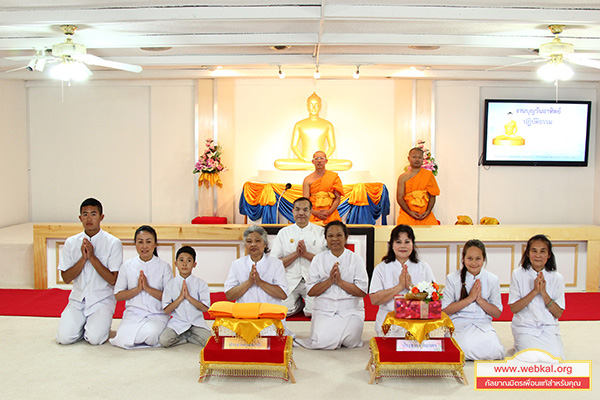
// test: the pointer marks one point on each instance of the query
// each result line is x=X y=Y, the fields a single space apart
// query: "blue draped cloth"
x=367 y=215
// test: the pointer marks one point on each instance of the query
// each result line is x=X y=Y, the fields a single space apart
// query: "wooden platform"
x=577 y=248
x=29 y=252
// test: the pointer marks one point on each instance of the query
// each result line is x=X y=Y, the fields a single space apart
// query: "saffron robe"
x=416 y=195
x=322 y=196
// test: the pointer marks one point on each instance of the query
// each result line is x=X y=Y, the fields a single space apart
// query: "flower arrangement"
x=426 y=291
x=209 y=165
x=210 y=161
x=428 y=161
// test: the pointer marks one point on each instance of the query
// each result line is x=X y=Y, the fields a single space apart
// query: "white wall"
x=131 y=145
x=457 y=149
x=14 y=177
x=265 y=111
x=513 y=195
x=549 y=195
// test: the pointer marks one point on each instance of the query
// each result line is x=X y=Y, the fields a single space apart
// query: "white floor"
x=33 y=366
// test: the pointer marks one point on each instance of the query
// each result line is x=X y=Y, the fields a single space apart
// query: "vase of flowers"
x=209 y=165
x=424 y=291
x=423 y=301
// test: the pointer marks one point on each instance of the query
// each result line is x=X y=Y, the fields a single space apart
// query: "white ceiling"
x=236 y=35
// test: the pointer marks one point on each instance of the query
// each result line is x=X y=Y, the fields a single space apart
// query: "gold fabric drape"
x=418 y=328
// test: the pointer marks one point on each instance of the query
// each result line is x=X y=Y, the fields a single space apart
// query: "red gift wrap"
x=417 y=309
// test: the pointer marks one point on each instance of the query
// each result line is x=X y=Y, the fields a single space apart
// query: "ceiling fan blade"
x=530 y=56
x=519 y=63
x=585 y=62
x=23 y=58
x=17 y=69
x=94 y=60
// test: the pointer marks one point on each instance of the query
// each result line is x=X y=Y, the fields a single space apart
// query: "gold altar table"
x=385 y=360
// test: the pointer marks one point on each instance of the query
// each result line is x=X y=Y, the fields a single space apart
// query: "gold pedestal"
x=508 y=141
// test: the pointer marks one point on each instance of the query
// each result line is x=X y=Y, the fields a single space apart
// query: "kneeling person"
x=295 y=246
x=185 y=297
x=91 y=260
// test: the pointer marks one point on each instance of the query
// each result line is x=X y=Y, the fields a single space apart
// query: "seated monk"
x=324 y=189
x=416 y=192
x=312 y=133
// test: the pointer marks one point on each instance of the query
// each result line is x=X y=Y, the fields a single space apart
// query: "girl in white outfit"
x=471 y=299
x=537 y=299
x=398 y=271
x=141 y=282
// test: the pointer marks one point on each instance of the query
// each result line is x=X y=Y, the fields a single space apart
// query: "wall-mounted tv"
x=536 y=132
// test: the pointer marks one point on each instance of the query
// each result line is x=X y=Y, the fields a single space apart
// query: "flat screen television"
x=536 y=132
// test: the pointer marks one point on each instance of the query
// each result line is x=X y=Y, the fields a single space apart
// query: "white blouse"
x=336 y=300
x=269 y=268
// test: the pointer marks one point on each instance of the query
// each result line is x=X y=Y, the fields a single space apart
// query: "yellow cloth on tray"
x=227 y=309
x=246 y=310
x=247 y=329
x=419 y=328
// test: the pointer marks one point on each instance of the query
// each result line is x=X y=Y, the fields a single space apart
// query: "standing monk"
x=324 y=189
x=416 y=192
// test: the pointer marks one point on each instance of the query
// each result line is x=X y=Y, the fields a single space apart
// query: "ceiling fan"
x=555 y=53
x=70 y=56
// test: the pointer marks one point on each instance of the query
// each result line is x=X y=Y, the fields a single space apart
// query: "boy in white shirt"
x=91 y=260
x=185 y=297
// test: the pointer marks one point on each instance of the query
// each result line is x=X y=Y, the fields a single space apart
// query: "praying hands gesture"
x=142 y=286
x=185 y=295
x=539 y=285
x=385 y=295
x=301 y=249
x=475 y=293
x=145 y=286
x=334 y=274
x=335 y=278
x=404 y=280
x=87 y=249
x=255 y=279
x=87 y=254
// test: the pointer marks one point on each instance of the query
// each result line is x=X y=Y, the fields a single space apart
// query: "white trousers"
x=294 y=302
x=478 y=344
x=548 y=341
x=133 y=334
x=332 y=332
x=74 y=325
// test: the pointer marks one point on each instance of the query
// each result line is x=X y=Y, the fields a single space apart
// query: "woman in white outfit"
x=537 y=299
x=398 y=271
x=338 y=281
x=256 y=277
x=472 y=299
x=141 y=282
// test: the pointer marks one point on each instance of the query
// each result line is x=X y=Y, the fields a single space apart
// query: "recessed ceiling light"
x=280 y=47
x=156 y=48
x=424 y=47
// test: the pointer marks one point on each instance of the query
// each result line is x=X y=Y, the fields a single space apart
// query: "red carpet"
x=51 y=302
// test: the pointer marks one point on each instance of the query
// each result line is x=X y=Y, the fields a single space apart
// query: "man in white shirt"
x=295 y=246
x=91 y=260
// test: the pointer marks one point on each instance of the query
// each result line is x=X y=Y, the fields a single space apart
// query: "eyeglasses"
x=319 y=158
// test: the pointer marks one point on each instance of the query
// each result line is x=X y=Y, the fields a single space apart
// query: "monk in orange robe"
x=324 y=189
x=416 y=192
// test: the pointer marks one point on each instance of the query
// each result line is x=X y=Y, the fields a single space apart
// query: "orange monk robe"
x=322 y=196
x=415 y=196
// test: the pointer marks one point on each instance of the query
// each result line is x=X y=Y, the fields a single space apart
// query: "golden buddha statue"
x=510 y=137
x=310 y=135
